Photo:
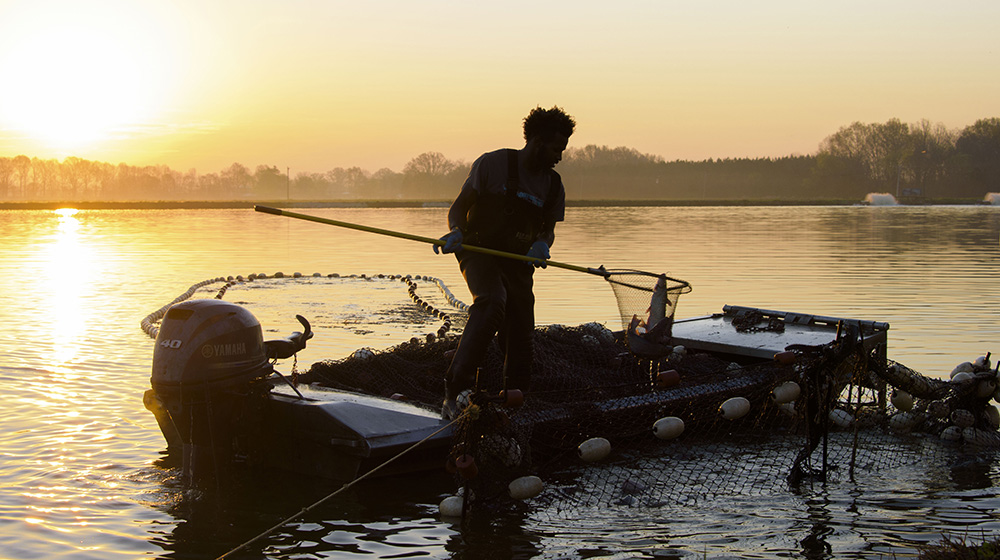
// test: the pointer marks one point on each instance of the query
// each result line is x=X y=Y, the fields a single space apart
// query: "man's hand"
x=539 y=250
x=452 y=242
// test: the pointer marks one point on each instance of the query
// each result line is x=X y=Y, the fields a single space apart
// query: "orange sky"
x=314 y=85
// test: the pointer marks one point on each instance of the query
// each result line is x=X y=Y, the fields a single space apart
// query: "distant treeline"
x=921 y=160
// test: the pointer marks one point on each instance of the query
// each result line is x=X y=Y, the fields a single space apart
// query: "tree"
x=979 y=148
x=429 y=163
x=269 y=181
x=23 y=166
x=878 y=150
x=426 y=177
x=603 y=156
x=126 y=178
x=46 y=174
x=385 y=183
x=236 y=179
x=74 y=173
x=211 y=185
x=188 y=183
x=311 y=186
x=6 y=173
x=889 y=147
x=593 y=169
x=347 y=183
x=933 y=147
x=170 y=181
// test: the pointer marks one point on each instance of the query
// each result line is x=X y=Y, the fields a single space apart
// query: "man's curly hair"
x=545 y=122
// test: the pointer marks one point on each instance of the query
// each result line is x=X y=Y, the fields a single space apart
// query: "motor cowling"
x=208 y=383
x=208 y=344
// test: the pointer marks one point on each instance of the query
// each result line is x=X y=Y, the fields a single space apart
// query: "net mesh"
x=600 y=425
x=855 y=412
x=635 y=290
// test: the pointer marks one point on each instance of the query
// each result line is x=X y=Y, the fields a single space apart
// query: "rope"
x=151 y=327
x=343 y=488
x=148 y=325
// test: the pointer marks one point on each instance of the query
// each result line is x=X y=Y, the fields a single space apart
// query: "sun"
x=70 y=84
x=73 y=88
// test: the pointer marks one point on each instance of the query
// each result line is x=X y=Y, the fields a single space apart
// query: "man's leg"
x=489 y=297
x=518 y=325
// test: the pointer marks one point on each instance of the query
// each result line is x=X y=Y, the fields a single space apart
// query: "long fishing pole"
x=600 y=271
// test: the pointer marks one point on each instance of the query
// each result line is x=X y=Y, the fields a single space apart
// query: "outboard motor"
x=209 y=370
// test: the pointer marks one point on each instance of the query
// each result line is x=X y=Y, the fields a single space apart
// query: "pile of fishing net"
x=607 y=425
x=625 y=418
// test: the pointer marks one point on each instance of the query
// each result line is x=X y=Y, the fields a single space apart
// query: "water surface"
x=84 y=474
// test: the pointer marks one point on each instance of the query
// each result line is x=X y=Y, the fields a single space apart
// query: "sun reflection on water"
x=68 y=269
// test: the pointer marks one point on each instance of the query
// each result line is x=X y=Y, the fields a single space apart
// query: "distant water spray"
x=992 y=198
x=880 y=199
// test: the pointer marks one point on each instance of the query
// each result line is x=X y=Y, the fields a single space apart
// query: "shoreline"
x=238 y=204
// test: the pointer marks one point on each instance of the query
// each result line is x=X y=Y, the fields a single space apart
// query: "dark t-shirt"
x=489 y=175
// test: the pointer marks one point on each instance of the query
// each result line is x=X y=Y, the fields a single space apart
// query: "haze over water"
x=83 y=475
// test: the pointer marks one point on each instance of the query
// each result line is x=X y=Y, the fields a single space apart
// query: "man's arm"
x=458 y=215
x=548 y=236
x=554 y=210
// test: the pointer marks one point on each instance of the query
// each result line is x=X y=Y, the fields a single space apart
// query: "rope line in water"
x=150 y=326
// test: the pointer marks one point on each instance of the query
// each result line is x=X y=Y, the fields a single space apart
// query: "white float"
x=451 y=506
x=464 y=399
x=902 y=400
x=525 y=487
x=668 y=427
x=951 y=433
x=975 y=436
x=594 y=449
x=734 y=408
x=964 y=367
x=786 y=392
x=961 y=376
x=986 y=388
x=505 y=449
x=938 y=409
x=993 y=415
x=902 y=421
x=962 y=418
x=362 y=354
x=841 y=418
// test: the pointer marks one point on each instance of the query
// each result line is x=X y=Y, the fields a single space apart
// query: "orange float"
x=668 y=378
x=466 y=465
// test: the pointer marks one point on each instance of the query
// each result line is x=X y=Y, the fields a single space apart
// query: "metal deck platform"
x=716 y=333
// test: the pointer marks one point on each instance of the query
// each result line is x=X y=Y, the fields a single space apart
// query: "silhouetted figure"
x=511 y=202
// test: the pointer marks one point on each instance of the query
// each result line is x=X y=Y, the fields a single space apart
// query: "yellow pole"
x=278 y=212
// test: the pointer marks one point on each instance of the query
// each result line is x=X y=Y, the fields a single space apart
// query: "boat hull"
x=340 y=436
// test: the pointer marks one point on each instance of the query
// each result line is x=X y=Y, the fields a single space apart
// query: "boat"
x=740 y=400
x=221 y=403
x=667 y=407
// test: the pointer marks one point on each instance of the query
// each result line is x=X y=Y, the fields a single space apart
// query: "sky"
x=314 y=85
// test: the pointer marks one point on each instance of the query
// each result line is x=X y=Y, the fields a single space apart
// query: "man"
x=511 y=202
